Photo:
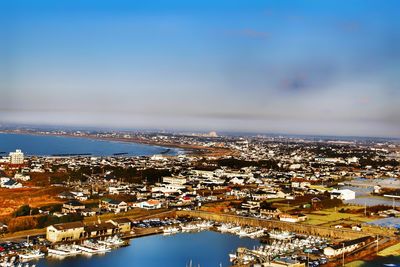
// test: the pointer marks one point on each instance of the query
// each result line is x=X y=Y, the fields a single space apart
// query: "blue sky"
x=288 y=66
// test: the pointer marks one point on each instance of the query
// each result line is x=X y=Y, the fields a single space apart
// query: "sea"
x=203 y=249
x=46 y=145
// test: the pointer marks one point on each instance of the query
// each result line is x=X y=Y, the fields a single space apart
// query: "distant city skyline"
x=296 y=67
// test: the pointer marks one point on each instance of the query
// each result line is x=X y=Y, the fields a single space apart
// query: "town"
x=314 y=201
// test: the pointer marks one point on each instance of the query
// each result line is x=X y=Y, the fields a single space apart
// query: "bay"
x=41 y=145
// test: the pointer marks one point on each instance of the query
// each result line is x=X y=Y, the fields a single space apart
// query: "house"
x=88 y=212
x=343 y=194
x=124 y=224
x=150 y=204
x=344 y=247
x=236 y=180
x=66 y=195
x=73 y=206
x=3 y=227
x=115 y=206
x=11 y=184
x=79 y=195
x=22 y=177
x=270 y=212
x=251 y=206
x=65 y=232
x=116 y=190
x=177 y=180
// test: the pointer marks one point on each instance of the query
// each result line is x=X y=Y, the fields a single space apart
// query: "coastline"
x=192 y=150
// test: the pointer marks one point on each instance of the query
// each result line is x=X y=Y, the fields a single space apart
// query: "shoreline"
x=191 y=150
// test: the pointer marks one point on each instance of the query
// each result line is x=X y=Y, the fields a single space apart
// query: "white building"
x=17 y=157
x=178 y=180
x=343 y=194
x=22 y=177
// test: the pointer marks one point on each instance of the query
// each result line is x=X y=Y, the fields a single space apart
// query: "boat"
x=64 y=251
x=256 y=233
x=281 y=235
x=205 y=224
x=92 y=248
x=31 y=255
x=114 y=241
x=189 y=228
x=171 y=230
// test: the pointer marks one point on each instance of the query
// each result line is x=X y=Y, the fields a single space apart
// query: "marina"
x=205 y=248
x=264 y=244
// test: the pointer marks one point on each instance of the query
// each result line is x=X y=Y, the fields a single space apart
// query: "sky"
x=269 y=66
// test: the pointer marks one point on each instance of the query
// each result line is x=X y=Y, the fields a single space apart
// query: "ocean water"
x=206 y=249
x=50 y=145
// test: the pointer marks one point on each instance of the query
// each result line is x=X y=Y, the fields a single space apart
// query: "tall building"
x=17 y=157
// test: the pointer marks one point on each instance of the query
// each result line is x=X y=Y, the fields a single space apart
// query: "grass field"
x=11 y=199
x=330 y=217
x=393 y=250
x=354 y=264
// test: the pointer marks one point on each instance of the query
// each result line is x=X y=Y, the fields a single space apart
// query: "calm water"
x=207 y=249
x=387 y=222
x=50 y=145
x=363 y=193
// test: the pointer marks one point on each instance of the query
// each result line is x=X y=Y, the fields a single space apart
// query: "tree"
x=22 y=211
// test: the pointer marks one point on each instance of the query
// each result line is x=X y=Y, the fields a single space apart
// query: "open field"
x=329 y=217
x=11 y=199
x=354 y=264
x=393 y=250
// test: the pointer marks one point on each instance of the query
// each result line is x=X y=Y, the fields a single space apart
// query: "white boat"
x=31 y=255
x=234 y=229
x=205 y=224
x=170 y=230
x=114 y=241
x=63 y=251
x=189 y=228
x=224 y=227
x=92 y=248
x=256 y=233
x=232 y=257
x=281 y=235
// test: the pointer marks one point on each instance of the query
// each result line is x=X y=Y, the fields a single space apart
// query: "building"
x=292 y=217
x=22 y=177
x=344 y=247
x=150 y=204
x=9 y=183
x=17 y=157
x=73 y=206
x=115 y=206
x=270 y=212
x=65 y=232
x=343 y=194
x=74 y=231
x=116 y=190
x=178 y=180
x=123 y=224
x=100 y=229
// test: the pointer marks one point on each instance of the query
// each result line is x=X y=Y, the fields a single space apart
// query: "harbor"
x=266 y=245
